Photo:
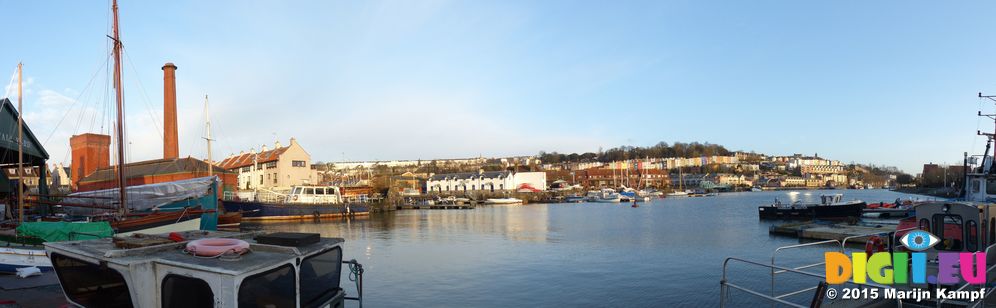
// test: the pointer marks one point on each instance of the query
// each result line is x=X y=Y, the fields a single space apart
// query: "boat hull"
x=12 y=259
x=255 y=211
x=838 y=211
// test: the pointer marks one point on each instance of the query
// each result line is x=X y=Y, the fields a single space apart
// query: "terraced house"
x=276 y=169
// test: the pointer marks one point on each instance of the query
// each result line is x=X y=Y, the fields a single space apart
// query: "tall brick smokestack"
x=171 y=149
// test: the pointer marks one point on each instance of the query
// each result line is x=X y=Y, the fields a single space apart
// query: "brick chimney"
x=90 y=152
x=171 y=149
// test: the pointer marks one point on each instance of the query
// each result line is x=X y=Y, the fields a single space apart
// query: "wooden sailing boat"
x=152 y=222
x=225 y=219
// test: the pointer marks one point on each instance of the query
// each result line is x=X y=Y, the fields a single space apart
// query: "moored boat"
x=573 y=199
x=268 y=270
x=303 y=202
x=830 y=207
x=503 y=201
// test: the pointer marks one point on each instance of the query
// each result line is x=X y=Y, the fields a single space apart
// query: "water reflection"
x=665 y=253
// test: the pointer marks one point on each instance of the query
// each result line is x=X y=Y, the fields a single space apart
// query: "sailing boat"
x=681 y=186
x=188 y=204
x=225 y=219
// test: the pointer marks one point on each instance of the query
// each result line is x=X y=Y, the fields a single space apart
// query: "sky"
x=887 y=82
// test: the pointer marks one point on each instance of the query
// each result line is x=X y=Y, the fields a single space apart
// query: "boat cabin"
x=315 y=195
x=97 y=273
x=959 y=226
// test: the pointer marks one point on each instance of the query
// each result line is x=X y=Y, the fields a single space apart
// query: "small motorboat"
x=503 y=201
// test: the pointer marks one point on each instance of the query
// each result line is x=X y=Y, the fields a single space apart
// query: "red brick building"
x=157 y=171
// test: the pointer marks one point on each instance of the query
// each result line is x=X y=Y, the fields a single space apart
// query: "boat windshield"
x=91 y=285
x=320 y=277
x=951 y=229
x=273 y=288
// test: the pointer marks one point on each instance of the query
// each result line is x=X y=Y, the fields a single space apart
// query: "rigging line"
x=148 y=103
x=54 y=129
x=10 y=84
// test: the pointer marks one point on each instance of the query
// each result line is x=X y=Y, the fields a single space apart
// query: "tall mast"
x=207 y=117
x=20 y=146
x=120 y=125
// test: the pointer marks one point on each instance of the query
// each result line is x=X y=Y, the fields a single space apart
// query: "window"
x=319 y=191
x=90 y=284
x=260 y=179
x=951 y=229
x=299 y=163
x=186 y=292
x=309 y=191
x=991 y=187
x=992 y=230
x=320 y=277
x=972 y=236
x=273 y=288
x=925 y=224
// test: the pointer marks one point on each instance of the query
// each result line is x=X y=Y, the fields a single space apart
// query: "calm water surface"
x=668 y=252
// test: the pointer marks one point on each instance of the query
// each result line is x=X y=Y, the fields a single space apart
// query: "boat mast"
x=207 y=117
x=120 y=125
x=991 y=136
x=20 y=146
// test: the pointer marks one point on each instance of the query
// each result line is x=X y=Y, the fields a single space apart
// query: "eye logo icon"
x=919 y=240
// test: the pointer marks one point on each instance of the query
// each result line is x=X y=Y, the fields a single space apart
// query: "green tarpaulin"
x=65 y=231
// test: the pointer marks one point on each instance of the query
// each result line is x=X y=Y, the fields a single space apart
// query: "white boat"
x=12 y=258
x=678 y=193
x=756 y=189
x=503 y=201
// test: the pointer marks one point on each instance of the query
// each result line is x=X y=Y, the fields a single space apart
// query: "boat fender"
x=213 y=247
x=875 y=243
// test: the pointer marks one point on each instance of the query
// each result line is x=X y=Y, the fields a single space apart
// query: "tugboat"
x=205 y=269
x=830 y=207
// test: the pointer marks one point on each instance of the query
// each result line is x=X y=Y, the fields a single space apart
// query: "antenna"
x=991 y=136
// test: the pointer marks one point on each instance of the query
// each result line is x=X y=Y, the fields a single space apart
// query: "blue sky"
x=890 y=82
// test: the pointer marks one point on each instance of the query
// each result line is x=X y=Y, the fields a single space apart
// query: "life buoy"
x=213 y=247
x=875 y=243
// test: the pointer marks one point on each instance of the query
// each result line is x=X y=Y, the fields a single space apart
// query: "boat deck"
x=261 y=255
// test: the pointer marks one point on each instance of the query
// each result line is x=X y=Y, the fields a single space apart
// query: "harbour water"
x=668 y=252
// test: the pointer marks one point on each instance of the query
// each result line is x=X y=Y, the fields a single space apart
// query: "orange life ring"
x=213 y=247
x=875 y=243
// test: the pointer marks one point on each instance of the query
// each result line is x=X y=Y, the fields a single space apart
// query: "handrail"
x=724 y=284
x=356 y=275
x=773 y=254
x=843 y=244
x=966 y=284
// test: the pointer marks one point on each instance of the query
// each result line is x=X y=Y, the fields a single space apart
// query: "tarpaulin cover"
x=147 y=197
x=65 y=231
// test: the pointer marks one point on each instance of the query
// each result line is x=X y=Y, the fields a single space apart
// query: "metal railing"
x=776 y=272
x=356 y=276
x=725 y=284
x=966 y=285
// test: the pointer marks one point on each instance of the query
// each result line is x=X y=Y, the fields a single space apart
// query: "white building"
x=482 y=181
x=276 y=169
